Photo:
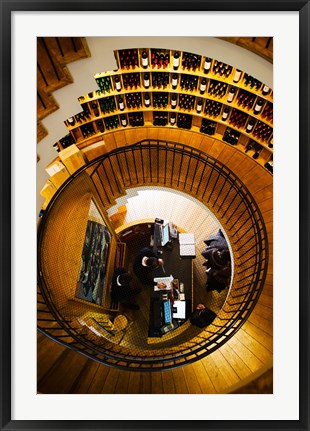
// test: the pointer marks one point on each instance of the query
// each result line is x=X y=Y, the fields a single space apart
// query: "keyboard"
x=167 y=312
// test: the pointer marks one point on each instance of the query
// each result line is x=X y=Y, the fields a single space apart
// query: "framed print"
x=94 y=258
x=139 y=130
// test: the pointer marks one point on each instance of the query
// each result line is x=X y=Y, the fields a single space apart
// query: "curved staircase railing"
x=196 y=173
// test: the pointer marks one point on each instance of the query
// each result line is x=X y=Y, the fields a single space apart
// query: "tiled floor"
x=189 y=215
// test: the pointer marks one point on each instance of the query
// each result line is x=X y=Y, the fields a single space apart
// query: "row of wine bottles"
x=129 y=59
x=162 y=118
x=64 y=142
x=164 y=80
x=232 y=116
x=258 y=129
x=210 y=107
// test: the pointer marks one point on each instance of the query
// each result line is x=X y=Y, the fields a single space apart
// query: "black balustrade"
x=177 y=166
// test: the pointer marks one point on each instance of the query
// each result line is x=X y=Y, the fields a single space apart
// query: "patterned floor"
x=190 y=216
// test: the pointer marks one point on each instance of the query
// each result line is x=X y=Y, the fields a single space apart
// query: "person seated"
x=216 y=258
x=218 y=279
x=121 y=290
x=144 y=264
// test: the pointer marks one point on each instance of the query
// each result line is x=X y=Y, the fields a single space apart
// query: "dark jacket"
x=216 y=259
x=218 y=279
x=120 y=293
x=144 y=273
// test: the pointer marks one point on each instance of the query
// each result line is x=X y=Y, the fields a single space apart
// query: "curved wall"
x=102 y=59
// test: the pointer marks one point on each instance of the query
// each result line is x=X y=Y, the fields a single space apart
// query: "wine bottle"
x=120 y=104
x=173 y=101
x=176 y=60
x=269 y=166
x=256 y=154
x=265 y=90
x=100 y=126
x=231 y=94
x=258 y=106
x=203 y=85
x=237 y=75
x=56 y=146
x=249 y=146
x=199 y=106
x=250 y=126
x=207 y=65
x=146 y=80
x=95 y=109
x=118 y=84
x=147 y=100
x=123 y=120
x=225 y=114
x=145 y=61
x=174 y=81
x=172 y=118
x=161 y=60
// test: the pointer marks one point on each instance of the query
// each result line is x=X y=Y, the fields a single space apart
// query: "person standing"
x=144 y=264
x=122 y=291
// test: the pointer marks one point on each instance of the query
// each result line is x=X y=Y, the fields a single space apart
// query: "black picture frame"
x=7 y=7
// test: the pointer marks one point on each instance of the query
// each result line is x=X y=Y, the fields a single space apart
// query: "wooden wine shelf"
x=75 y=131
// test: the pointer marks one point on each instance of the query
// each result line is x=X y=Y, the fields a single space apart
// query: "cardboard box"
x=60 y=177
x=48 y=191
x=54 y=167
x=72 y=158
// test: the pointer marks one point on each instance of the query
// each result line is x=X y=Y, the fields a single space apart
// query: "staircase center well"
x=162 y=164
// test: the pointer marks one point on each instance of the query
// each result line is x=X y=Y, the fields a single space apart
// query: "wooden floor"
x=245 y=356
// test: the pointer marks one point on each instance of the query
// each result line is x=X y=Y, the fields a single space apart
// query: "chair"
x=101 y=325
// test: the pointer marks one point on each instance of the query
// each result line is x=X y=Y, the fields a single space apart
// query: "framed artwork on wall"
x=95 y=254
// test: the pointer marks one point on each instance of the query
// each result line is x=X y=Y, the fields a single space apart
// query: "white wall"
x=102 y=59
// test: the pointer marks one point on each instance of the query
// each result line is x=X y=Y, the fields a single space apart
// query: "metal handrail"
x=228 y=200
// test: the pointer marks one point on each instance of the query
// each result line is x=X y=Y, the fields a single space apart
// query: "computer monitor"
x=165 y=234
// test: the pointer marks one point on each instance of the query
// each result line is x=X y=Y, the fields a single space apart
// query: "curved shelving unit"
x=234 y=122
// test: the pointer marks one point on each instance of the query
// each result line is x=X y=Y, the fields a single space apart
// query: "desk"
x=180 y=268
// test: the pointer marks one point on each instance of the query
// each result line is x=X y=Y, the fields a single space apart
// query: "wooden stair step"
x=259 y=335
x=254 y=346
x=60 y=378
x=252 y=362
x=240 y=368
x=47 y=355
x=85 y=378
x=111 y=380
x=219 y=378
x=257 y=320
x=98 y=380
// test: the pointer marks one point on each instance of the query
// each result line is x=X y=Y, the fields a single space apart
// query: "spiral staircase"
x=237 y=348
x=228 y=199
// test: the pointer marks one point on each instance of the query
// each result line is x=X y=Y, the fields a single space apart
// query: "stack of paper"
x=187 y=244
